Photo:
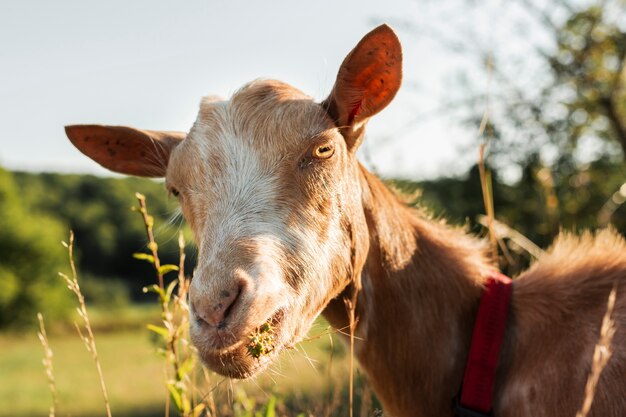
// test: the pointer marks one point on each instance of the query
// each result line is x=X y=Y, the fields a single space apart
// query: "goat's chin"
x=235 y=361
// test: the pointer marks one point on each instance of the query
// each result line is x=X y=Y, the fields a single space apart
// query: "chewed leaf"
x=144 y=257
x=261 y=341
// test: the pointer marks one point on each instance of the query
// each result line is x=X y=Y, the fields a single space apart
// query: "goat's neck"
x=420 y=290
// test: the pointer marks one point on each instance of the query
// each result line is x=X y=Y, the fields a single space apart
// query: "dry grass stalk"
x=485 y=183
x=612 y=204
x=351 y=309
x=504 y=231
x=47 y=363
x=601 y=354
x=485 y=176
x=89 y=339
x=353 y=321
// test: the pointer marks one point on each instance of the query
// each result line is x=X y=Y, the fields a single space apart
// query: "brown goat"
x=289 y=225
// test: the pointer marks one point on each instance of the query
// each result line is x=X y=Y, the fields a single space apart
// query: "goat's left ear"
x=124 y=149
x=368 y=80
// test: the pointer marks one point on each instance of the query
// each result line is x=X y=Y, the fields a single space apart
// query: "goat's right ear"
x=368 y=80
x=126 y=150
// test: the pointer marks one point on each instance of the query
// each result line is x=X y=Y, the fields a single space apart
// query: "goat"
x=288 y=225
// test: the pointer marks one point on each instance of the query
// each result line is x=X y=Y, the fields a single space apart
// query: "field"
x=311 y=379
x=133 y=373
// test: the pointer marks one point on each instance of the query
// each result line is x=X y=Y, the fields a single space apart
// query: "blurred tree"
x=538 y=205
x=551 y=79
x=31 y=256
x=589 y=67
x=107 y=232
x=556 y=74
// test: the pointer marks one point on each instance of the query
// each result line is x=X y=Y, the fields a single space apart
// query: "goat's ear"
x=367 y=81
x=126 y=150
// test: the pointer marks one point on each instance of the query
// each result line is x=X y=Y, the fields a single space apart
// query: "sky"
x=147 y=63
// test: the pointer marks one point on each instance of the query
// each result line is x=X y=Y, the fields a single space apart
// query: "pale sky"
x=147 y=63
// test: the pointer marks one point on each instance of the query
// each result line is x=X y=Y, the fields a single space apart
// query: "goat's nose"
x=214 y=311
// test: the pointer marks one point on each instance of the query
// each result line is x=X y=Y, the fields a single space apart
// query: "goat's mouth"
x=251 y=353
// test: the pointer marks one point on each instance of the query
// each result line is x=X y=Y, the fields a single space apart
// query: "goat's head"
x=269 y=183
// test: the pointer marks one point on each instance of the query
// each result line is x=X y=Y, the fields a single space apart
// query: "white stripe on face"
x=239 y=199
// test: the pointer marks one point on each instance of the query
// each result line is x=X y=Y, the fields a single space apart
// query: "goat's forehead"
x=264 y=120
x=264 y=113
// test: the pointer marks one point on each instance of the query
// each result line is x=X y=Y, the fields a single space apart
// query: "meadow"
x=132 y=369
x=549 y=95
x=311 y=379
x=139 y=364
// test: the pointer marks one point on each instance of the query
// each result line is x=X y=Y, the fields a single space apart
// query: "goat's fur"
x=289 y=225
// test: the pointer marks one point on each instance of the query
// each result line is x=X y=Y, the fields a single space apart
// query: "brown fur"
x=415 y=321
x=284 y=234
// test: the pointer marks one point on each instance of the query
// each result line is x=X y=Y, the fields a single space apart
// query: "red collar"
x=476 y=396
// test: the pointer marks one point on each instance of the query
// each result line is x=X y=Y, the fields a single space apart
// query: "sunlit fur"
x=263 y=219
x=283 y=236
x=302 y=235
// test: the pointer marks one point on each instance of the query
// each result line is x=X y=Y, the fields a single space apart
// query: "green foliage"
x=173 y=335
x=246 y=406
x=553 y=82
x=105 y=292
x=588 y=68
x=30 y=257
x=539 y=205
x=106 y=230
x=38 y=209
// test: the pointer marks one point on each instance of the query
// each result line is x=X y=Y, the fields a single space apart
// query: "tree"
x=557 y=75
x=31 y=256
x=550 y=79
x=539 y=205
x=107 y=231
x=589 y=66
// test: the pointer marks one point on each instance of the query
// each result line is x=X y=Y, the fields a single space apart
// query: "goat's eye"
x=324 y=152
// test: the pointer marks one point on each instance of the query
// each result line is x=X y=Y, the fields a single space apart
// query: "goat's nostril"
x=229 y=306
x=215 y=312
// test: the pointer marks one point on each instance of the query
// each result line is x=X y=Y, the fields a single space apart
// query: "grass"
x=180 y=360
x=47 y=363
x=85 y=331
x=133 y=373
x=309 y=380
x=300 y=381
x=151 y=372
